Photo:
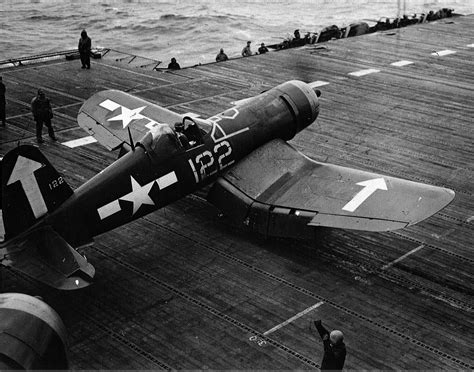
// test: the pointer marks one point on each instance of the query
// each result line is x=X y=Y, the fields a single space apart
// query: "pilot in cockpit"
x=192 y=131
x=183 y=139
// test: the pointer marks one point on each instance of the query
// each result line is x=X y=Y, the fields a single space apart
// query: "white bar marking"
x=401 y=63
x=299 y=315
x=109 y=209
x=318 y=83
x=167 y=180
x=364 y=72
x=442 y=53
x=470 y=45
x=110 y=105
x=80 y=142
x=385 y=267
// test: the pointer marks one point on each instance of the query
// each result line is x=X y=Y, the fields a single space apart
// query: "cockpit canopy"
x=163 y=141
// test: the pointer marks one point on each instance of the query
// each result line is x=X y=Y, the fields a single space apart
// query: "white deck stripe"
x=401 y=63
x=402 y=257
x=470 y=45
x=442 y=53
x=293 y=318
x=191 y=115
x=364 y=72
x=80 y=142
x=318 y=83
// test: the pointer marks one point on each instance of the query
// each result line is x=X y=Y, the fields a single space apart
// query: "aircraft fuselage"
x=150 y=177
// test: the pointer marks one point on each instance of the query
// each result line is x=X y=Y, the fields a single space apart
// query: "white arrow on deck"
x=370 y=186
x=23 y=171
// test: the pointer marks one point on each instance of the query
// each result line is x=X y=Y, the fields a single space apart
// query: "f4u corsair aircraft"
x=258 y=179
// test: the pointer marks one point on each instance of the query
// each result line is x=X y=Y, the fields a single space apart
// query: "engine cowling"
x=32 y=335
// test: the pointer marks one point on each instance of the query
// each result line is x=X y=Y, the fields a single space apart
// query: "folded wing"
x=276 y=189
x=110 y=114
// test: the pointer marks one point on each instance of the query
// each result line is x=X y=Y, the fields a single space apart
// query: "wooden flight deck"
x=182 y=288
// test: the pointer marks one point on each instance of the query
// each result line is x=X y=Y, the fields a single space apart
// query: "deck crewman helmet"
x=336 y=337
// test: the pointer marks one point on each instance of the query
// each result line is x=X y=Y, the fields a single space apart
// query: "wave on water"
x=193 y=32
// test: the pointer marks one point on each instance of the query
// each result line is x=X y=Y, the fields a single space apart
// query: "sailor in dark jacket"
x=173 y=65
x=42 y=113
x=84 y=47
x=334 y=348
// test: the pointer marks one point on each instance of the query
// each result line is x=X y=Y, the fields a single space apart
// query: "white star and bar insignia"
x=138 y=196
x=127 y=115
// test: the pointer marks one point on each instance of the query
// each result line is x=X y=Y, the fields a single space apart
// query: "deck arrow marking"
x=23 y=171
x=370 y=186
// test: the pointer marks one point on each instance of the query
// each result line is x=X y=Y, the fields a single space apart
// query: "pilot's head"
x=40 y=92
x=173 y=59
x=179 y=127
x=336 y=337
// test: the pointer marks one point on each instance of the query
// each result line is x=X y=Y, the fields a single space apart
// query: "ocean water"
x=191 y=31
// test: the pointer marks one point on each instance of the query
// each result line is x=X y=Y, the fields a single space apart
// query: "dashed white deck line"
x=79 y=142
x=385 y=267
x=442 y=53
x=364 y=72
x=401 y=63
x=470 y=45
x=299 y=315
x=318 y=83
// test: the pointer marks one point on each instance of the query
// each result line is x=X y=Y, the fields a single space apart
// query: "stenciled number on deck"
x=258 y=340
x=205 y=164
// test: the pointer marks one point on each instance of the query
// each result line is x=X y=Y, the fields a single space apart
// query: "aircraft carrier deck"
x=183 y=288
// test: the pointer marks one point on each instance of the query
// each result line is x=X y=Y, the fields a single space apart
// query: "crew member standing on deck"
x=334 y=348
x=42 y=113
x=85 y=45
x=2 y=103
x=246 y=52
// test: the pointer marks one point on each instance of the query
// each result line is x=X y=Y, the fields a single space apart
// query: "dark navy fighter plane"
x=257 y=179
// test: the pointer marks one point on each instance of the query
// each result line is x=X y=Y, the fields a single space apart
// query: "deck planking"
x=183 y=288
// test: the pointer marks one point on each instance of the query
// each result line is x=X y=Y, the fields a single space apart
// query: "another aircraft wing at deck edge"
x=108 y=115
x=277 y=183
